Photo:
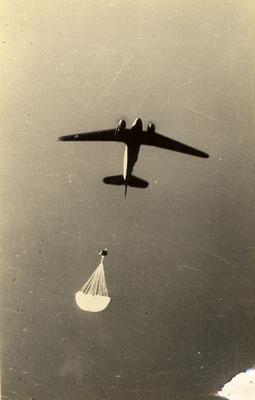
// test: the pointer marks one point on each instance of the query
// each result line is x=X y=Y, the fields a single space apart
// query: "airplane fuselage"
x=132 y=148
x=130 y=157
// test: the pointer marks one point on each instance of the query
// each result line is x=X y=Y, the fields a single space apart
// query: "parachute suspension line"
x=88 y=284
x=96 y=284
x=93 y=295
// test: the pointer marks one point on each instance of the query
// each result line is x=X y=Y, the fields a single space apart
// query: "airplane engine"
x=151 y=128
x=121 y=126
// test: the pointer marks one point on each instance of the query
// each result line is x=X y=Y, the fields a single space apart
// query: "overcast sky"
x=180 y=269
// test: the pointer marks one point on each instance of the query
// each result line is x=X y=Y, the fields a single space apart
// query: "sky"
x=180 y=268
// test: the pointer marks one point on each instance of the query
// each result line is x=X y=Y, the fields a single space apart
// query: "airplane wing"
x=107 y=135
x=157 y=140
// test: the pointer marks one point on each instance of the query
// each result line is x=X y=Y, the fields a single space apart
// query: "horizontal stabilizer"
x=133 y=181
x=114 y=180
x=137 y=182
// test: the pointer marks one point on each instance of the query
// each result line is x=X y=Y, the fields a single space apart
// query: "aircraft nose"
x=137 y=122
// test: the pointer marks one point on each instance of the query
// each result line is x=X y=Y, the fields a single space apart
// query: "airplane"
x=133 y=139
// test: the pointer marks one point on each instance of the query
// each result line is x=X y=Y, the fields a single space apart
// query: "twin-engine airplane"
x=133 y=139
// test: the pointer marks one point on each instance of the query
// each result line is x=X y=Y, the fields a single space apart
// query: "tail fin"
x=114 y=180
x=133 y=181
x=137 y=182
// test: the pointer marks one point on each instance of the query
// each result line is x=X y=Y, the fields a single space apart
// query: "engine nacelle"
x=151 y=128
x=121 y=126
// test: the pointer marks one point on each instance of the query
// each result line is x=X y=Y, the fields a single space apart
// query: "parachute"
x=93 y=295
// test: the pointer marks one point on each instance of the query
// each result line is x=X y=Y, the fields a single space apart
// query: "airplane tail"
x=133 y=181
x=114 y=180
x=137 y=182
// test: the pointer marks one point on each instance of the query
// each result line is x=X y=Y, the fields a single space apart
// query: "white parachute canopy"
x=241 y=387
x=93 y=295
